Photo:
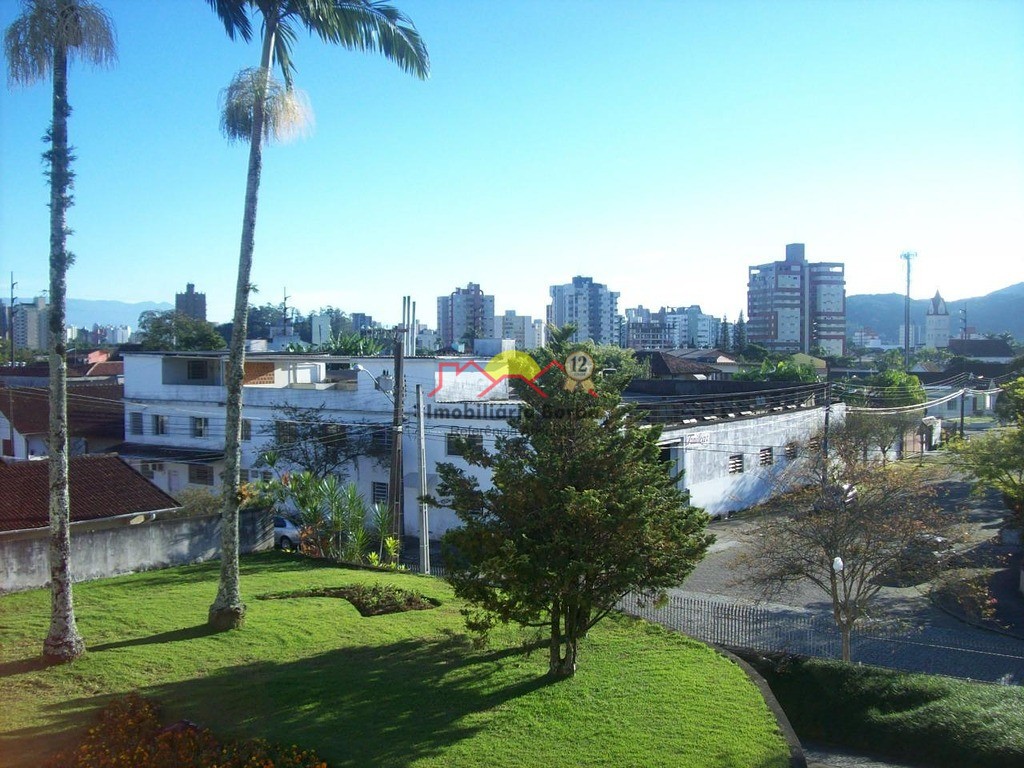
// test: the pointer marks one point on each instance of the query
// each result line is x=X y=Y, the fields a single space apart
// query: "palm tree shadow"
x=21 y=666
x=177 y=635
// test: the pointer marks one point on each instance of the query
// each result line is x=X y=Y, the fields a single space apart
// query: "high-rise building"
x=361 y=322
x=590 y=306
x=31 y=323
x=191 y=303
x=936 y=324
x=465 y=315
x=522 y=328
x=797 y=306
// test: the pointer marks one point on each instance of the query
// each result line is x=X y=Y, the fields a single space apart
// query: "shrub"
x=129 y=733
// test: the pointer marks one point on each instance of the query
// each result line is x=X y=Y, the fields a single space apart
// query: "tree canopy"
x=171 y=331
x=583 y=509
x=996 y=459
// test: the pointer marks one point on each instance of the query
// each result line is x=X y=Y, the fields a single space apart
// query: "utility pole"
x=907 y=256
x=10 y=317
x=963 y=396
x=824 y=439
x=396 y=491
x=424 y=509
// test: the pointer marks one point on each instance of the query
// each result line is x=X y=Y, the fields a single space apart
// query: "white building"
x=936 y=324
x=174 y=425
x=521 y=328
x=175 y=415
x=590 y=306
x=30 y=324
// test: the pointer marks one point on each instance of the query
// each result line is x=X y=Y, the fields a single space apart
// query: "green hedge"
x=934 y=720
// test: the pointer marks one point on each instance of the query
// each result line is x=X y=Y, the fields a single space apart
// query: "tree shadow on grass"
x=177 y=635
x=21 y=666
x=384 y=705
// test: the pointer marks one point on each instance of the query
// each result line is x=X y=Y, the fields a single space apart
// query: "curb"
x=797 y=759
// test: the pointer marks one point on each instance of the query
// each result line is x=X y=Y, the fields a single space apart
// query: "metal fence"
x=970 y=654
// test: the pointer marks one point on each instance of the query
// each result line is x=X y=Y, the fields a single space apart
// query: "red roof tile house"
x=95 y=419
x=120 y=523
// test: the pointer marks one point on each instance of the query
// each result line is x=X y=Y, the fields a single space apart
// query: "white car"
x=286 y=534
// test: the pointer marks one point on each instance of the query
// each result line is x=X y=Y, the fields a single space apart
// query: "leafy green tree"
x=257 y=108
x=39 y=44
x=175 y=331
x=739 y=335
x=304 y=439
x=996 y=460
x=582 y=510
x=725 y=335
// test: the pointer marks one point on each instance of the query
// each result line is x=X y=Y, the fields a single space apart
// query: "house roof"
x=107 y=368
x=981 y=348
x=665 y=364
x=94 y=410
x=101 y=486
x=705 y=356
x=183 y=454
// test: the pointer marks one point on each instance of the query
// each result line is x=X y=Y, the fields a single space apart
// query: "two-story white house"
x=175 y=416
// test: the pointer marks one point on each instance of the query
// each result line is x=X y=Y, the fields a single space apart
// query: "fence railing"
x=933 y=650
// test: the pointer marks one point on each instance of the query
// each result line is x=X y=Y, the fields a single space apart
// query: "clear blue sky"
x=659 y=147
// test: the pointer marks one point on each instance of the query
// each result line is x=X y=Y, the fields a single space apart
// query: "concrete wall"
x=107 y=547
x=703 y=452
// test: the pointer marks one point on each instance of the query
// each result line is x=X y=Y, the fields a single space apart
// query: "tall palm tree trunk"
x=63 y=642
x=228 y=610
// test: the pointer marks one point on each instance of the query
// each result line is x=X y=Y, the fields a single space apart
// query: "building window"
x=200 y=426
x=766 y=457
x=159 y=425
x=736 y=464
x=286 y=431
x=135 y=423
x=197 y=370
x=380 y=440
x=814 y=444
x=379 y=493
x=792 y=451
x=246 y=430
x=951 y=405
x=457 y=444
x=149 y=468
x=200 y=474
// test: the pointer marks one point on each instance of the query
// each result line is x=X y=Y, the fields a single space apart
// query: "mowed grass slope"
x=404 y=689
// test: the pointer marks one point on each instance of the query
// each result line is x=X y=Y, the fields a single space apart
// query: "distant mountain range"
x=997 y=312
x=84 y=313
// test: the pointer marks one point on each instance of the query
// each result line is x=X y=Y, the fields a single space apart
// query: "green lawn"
x=405 y=689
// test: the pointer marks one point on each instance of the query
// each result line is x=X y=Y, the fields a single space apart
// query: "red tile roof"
x=94 y=410
x=100 y=486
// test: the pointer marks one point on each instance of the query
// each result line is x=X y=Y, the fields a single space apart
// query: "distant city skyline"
x=659 y=148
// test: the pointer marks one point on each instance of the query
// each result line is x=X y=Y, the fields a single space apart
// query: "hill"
x=84 y=313
x=996 y=312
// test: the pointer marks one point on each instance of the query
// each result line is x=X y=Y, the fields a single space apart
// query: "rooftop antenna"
x=907 y=256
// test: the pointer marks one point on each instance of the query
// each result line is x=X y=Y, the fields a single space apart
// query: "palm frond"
x=287 y=113
x=82 y=28
x=234 y=16
x=365 y=25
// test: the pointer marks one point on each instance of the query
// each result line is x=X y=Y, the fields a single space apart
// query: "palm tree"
x=39 y=44
x=257 y=108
